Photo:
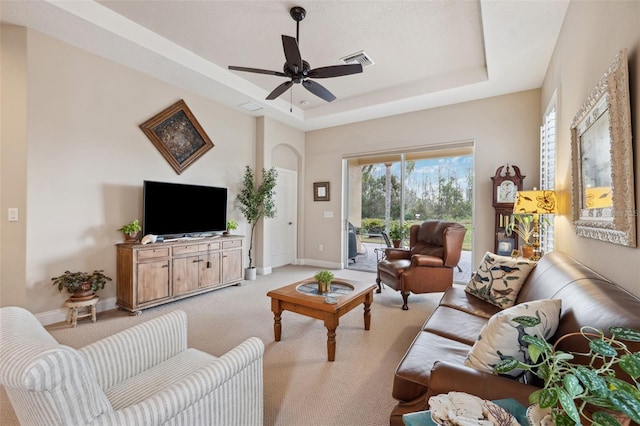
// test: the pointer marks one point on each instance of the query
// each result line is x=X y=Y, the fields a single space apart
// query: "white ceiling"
x=427 y=53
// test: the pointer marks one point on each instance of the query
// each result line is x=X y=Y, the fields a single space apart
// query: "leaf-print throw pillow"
x=501 y=337
x=498 y=279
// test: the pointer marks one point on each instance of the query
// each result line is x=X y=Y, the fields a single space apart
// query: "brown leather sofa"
x=427 y=267
x=434 y=363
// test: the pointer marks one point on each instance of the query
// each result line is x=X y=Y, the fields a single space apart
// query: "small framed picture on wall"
x=321 y=191
x=505 y=246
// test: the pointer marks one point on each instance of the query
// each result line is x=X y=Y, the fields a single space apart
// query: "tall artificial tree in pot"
x=257 y=200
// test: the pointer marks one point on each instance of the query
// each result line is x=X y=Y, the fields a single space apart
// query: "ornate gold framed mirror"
x=602 y=160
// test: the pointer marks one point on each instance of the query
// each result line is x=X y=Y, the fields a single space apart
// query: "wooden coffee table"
x=302 y=298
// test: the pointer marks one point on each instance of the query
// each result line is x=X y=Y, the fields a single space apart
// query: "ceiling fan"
x=299 y=71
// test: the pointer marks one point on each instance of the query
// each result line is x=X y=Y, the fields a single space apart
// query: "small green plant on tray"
x=323 y=277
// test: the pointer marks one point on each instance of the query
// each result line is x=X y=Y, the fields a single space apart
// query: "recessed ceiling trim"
x=91 y=26
x=250 y=106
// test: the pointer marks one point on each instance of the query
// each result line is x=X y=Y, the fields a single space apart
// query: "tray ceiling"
x=426 y=53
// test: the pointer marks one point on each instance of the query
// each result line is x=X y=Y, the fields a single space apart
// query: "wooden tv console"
x=154 y=274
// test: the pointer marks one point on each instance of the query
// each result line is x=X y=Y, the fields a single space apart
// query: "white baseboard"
x=264 y=271
x=60 y=315
x=322 y=264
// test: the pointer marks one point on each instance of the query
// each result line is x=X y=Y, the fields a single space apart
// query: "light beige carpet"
x=300 y=386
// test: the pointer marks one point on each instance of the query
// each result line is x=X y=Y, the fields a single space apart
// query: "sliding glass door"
x=389 y=193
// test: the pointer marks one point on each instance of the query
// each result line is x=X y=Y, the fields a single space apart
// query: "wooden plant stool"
x=74 y=305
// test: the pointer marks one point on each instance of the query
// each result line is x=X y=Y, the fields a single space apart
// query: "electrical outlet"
x=321 y=247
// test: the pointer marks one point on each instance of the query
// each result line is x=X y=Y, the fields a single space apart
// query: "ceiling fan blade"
x=335 y=71
x=279 y=90
x=292 y=52
x=257 y=70
x=318 y=90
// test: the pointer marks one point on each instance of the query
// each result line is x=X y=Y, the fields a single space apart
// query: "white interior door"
x=284 y=227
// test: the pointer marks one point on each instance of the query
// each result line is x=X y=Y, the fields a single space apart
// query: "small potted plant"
x=130 y=231
x=323 y=279
x=397 y=233
x=83 y=285
x=583 y=392
x=522 y=225
x=232 y=225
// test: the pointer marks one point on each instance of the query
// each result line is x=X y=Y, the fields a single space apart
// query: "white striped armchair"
x=144 y=375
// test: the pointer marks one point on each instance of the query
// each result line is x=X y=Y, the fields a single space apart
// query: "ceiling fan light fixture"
x=360 y=57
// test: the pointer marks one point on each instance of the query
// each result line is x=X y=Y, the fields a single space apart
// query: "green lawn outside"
x=466 y=245
x=468 y=237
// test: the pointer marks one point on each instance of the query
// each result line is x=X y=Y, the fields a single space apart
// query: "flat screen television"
x=182 y=210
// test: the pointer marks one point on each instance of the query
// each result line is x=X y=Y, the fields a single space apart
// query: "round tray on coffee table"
x=337 y=289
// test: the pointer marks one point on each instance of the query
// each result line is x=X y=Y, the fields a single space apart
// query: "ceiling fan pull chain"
x=291 y=101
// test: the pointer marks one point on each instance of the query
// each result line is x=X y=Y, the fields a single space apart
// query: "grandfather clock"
x=505 y=188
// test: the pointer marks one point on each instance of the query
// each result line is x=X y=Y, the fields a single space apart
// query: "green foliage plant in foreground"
x=571 y=389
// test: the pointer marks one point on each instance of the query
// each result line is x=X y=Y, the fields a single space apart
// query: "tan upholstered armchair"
x=427 y=266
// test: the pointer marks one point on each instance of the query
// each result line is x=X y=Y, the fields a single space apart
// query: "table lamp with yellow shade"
x=535 y=203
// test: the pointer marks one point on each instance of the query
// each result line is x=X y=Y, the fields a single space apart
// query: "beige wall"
x=504 y=129
x=13 y=158
x=85 y=160
x=592 y=34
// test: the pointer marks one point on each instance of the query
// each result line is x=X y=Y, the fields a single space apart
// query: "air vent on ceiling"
x=358 y=58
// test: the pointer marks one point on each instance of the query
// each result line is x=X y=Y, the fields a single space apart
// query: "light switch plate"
x=328 y=214
x=13 y=214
